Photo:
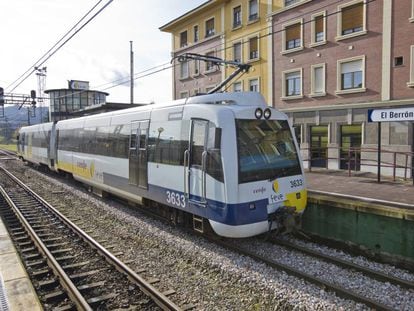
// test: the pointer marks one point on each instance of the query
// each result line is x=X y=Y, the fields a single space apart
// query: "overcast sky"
x=99 y=53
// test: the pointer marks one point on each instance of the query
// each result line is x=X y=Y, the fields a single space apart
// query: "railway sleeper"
x=47 y=283
x=54 y=296
x=35 y=263
x=65 y=258
x=65 y=307
x=85 y=274
x=40 y=273
x=32 y=256
x=61 y=251
x=95 y=300
x=27 y=250
x=52 y=239
x=91 y=286
x=169 y=292
x=56 y=245
x=22 y=244
x=76 y=265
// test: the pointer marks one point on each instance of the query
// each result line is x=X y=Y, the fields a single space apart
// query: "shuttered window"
x=352 y=18
x=293 y=36
x=237 y=48
x=318 y=79
x=319 y=29
x=253 y=48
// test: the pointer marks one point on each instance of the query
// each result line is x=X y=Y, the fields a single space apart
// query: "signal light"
x=258 y=113
x=267 y=113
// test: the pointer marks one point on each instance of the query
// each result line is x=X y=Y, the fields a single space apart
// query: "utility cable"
x=45 y=56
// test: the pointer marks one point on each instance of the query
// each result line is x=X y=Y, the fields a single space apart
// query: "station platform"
x=16 y=290
x=362 y=186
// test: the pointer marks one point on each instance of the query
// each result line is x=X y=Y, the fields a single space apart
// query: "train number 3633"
x=175 y=198
x=296 y=183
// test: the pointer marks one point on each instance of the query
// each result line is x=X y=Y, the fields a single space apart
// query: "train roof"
x=234 y=100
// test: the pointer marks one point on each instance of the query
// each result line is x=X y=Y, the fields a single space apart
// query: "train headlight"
x=267 y=113
x=258 y=113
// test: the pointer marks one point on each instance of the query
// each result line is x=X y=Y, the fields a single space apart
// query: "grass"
x=11 y=147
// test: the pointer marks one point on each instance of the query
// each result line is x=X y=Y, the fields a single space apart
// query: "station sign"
x=391 y=115
x=78 y=85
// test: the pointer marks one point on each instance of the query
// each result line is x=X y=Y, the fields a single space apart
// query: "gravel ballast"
x=202 y=273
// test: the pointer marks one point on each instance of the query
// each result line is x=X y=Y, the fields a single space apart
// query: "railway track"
x=65 y=263
x=7 y=155
x=340 y=291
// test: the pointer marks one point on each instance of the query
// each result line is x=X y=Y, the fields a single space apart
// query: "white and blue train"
x=227 y=161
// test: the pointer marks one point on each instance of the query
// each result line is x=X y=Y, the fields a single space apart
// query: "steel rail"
x=74 y=294
x=340 y=291
x=159 y=298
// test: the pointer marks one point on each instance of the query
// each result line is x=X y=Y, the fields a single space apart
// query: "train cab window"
x=266 y=150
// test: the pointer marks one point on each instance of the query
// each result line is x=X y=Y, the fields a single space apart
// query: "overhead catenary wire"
x=127 y=79
x=140 y=74
x=58 y=45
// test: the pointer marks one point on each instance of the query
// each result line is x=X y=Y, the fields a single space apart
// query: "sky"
x=99 y=53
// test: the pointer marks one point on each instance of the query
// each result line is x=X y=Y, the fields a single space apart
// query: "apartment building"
x=236 y=30
x=334 y=60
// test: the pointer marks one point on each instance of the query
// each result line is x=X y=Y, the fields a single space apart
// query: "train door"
x=138 y=141
x=197 y=161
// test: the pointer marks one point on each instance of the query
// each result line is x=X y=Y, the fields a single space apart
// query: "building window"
x=351 y=75
x=183 y=39
x=237 y=87
x=351 y=20
x=184 y=70
x=254 y=85
x=196 y=34
x=292 y=83
x=253 y=48
x=184 y=94
x=210 y=65
x=237 y=18
x=237 y=52
x=293 y=39
x=290 y=2
x=210 y=27
x=398 y=61
x=318 y=80
x=253 y=10
x=292 y=36
x=318 y=29
x=196 y=67
x=411 y=83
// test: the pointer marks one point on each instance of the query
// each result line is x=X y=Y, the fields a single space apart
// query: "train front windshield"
x=266 y=150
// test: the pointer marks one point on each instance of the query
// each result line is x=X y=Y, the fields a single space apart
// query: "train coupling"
x=284 y=220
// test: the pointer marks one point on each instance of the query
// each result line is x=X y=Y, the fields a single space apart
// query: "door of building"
x=319 y=146
x=351 y=139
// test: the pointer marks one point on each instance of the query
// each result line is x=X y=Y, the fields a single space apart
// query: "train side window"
x=214 y=163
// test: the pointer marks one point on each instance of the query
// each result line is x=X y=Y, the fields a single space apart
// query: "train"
x=225 y=162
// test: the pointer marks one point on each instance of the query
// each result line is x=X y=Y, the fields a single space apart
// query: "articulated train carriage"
x=225 y=160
